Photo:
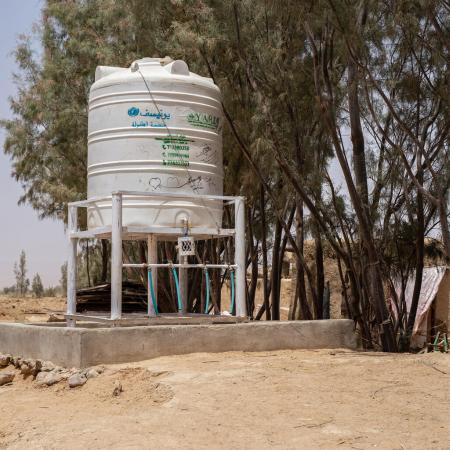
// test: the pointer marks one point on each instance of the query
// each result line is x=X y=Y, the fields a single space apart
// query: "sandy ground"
x=284 y=400
x=29 y=309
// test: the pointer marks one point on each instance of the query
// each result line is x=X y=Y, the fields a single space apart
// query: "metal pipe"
x=239 y=256
x=116 y=257
x=72 y=227
x=183 y=276
x=86 y=203
x=176 y=195
x=152 y=257
x=192 y=266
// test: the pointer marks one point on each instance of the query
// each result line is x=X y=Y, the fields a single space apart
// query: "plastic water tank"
x=155 y=128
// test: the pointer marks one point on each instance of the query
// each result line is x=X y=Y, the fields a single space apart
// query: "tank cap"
x=144 y=62
x=178 y=67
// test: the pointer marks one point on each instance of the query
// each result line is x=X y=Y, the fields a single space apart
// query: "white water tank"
x=155 y=128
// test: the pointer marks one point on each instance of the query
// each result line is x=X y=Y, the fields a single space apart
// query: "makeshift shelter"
x=433 y=312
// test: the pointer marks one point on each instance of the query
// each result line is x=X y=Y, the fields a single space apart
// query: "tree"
x=63 y=279
x=37 y=287
x=20 y=272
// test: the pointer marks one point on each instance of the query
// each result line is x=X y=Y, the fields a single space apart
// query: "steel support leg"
x=184 y=283
x=116 y=257
x=72 y=265
x=239 y=256
x=152 y=257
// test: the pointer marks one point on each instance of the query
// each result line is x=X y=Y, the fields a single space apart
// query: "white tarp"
x=431 y=279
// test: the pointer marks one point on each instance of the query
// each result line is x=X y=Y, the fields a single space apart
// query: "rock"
x=37 y=367
x=30 y=367
x=26 y=367
x=99 y=369
x=48 y=378
x=117 y=388
x=92 y=373
x=6 y=377
x=47 y=366
x=5 y=360
x=16 y=362
x=77 y=379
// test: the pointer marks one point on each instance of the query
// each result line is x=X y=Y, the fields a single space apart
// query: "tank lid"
x=148 y=62
x=103 y=71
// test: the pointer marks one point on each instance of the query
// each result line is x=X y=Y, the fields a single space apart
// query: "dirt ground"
x=29 y=309
x=287 y=399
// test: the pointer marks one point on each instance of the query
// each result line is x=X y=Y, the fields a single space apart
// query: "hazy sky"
x=43 y=241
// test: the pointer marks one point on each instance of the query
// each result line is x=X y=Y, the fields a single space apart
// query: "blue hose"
x=177 y=286
x=207 y=291
x=152 y=290
x=232 y=290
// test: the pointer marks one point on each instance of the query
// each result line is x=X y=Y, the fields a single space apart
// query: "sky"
x=43 y=241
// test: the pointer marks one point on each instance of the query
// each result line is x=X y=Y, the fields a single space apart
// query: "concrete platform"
x=94 y=344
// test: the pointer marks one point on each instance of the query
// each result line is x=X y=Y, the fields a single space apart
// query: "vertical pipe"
x=152 y=258
x=116 y=257
x=239 y=256
x=183 y=273
x=72 y=264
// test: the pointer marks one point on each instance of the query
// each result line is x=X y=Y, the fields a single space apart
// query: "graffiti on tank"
x=207 y=154
x=202 y=120
x=196 y=183
x=155 y=183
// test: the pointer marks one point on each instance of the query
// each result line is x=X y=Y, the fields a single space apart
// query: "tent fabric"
x=431 y=279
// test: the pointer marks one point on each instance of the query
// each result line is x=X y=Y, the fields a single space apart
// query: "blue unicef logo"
x=133 y=111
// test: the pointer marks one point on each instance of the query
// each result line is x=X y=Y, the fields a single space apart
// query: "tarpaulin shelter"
x=433 y=313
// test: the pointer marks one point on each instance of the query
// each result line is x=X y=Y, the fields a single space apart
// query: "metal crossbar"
x=183 y=266
x=86 y=203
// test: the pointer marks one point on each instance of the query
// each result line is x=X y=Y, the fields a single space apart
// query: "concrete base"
x=84 y=347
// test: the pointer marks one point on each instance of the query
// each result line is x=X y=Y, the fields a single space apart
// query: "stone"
x=26 y=367
x=6 y=377
x=5 y=360
x=47 y=366
x=16 y=362
x=30 y=367
x=117 y=388
x=99 y=369
x=91 y=373
x=77 y=379
x=48 y=378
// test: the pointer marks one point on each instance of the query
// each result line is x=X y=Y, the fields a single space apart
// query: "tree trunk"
x=254 y=264
x=302 y=309
x=87 y=264
x=105 y=258
x=420 y=251
x=320 y=273
x=262 y=207
x=275 y=276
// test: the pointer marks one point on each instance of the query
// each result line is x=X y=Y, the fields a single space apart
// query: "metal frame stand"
x=117 y=233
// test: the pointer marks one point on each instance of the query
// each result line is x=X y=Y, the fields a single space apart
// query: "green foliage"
x=37 y=288
x=63 y=279
x=20 y=273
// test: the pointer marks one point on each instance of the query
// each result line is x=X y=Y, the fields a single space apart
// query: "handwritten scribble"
x=155 y=183
x=207 y=154
x=195 y=183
